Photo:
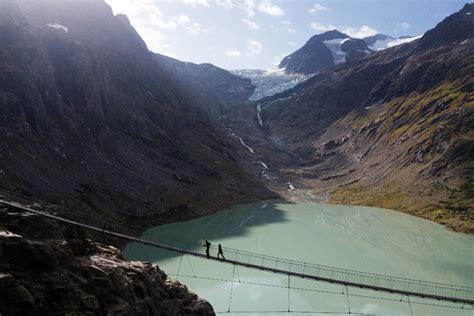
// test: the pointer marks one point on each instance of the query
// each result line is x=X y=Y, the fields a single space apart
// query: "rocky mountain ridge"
x=393 y=129
x=216 y=91
x=101 y=125
x=323 y=51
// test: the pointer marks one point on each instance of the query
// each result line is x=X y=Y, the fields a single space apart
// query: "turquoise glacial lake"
x=350 y=237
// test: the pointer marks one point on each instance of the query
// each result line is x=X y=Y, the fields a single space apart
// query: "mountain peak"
x=456 y=27
x=328 y=35
x=319 y=53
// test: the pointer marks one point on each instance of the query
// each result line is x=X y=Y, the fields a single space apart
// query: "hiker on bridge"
x=220 y=253
x=207 y=245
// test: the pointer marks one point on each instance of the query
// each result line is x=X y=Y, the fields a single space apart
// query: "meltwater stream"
x=358 y=238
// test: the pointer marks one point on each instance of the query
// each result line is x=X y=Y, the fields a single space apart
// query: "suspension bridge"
x=290 y=268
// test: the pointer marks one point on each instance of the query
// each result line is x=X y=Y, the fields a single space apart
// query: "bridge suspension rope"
x=348 y=300
x=322 y=291
x=231 y=289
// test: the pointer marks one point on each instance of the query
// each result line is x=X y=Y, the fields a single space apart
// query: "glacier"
x=269 y=82
x=334 y=46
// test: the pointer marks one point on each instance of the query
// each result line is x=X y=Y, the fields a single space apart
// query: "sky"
x=257 y=34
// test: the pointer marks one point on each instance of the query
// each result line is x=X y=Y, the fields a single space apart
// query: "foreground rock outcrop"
x=46 y=269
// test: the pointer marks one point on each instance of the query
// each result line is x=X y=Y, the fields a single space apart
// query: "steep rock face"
x=309 y=108
x=90 y=119
x=50 y=270
x=354 y=49
x=455 y=28
x=393 y=129
x=224 y=97
x=213 y=89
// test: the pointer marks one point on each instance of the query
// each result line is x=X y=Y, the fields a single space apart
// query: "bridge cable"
x=348 y=301
x=231 y=289
x=318 y=291
x=179 y=266
x=238 y=273
x=296 y=312
x=288 y=293
x=409 y=305
x=191 y=266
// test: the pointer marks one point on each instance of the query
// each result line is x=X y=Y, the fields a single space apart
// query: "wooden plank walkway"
x=355 y=279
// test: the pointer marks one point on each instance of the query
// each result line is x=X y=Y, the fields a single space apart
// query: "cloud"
x=195 y=29
x=360 y=32
x=249 y=8
x=251 y=24
x=321 y=28
x=228 y=4
x=288 y=26
x=183 y=19
x=292 y=43
x=232 y=53
x=194 y=3
x=267 y=7
x=253 y=47
x=356 y=32
x=317 y=7
x=404 y=25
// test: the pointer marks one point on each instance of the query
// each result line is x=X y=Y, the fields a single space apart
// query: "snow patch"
x=8 y=234
x=291 y=186
x=334 y=46
x=266 y=176
x=259 y=109
x=281 y=99
x=264 y=165
x=58 y=27
x=250 y=149
x=391 y=42
x=400 y=41
x=464 y=42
